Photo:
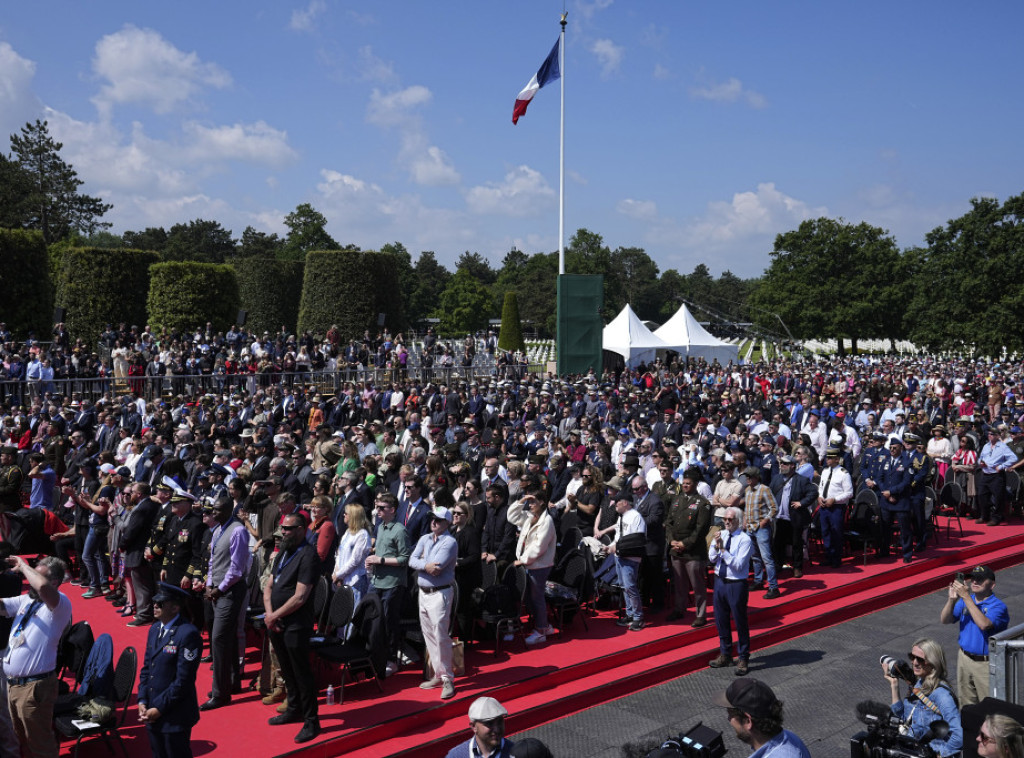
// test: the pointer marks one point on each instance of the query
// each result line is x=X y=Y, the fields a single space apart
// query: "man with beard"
x=40 y=617
x=289 y=618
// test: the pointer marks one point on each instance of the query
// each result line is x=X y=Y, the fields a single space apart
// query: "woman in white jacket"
x=350 y=563
x=535 y=551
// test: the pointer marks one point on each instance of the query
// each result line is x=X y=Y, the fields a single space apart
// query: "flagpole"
x=561 y=159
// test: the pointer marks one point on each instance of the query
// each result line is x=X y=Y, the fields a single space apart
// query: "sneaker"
x=448 y=691
x=548 y=630
x=390 y=669
x=720 y=662
x=772 y=594
x=637 y=625
x=92 y=593
x=624 y=621
x=431 y=684
x=536 y=638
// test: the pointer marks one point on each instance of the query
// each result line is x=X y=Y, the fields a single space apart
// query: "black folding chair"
x=951 y=504
x=124 y=686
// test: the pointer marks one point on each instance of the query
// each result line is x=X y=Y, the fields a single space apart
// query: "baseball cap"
x=981 y=573
x=751 y=696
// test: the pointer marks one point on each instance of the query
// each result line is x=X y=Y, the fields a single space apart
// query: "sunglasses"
x=289 y=528
x=985 y=739
x=916 y=659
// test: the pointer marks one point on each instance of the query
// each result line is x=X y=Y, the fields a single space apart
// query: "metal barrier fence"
x=327 y=383
x=1006 y=665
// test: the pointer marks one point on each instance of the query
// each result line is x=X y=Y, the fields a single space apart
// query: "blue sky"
x=697 y=131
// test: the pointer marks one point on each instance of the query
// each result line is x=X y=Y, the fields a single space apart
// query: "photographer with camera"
x=756 y=715
x=981 y=614
x=930 y=697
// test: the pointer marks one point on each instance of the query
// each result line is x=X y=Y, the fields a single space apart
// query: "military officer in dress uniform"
x=168 y=705
x=181 y=546
x=11 y=480
x=920 y=477
x=893 y=488
x=835 y=491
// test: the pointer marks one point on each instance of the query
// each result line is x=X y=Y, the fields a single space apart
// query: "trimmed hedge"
x=183 y=295
x=511 y=335
x=270 y=291
x=26 y=289
x=99 y=286
x=350 y=289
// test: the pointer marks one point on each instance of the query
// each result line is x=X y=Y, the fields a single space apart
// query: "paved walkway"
x=820 y=678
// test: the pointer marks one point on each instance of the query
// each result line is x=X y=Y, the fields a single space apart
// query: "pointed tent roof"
x=627 y=336
x=684 y=334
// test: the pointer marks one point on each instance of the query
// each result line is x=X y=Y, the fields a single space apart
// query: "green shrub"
x=270 y=290
x=99 y=286
x=26 y=290
x=184 y=295
x=350 y=289
x=511 y=335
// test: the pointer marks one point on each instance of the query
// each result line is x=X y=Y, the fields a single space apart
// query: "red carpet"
x=567 y=674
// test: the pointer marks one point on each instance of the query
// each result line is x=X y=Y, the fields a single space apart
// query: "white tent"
x=685 y=335
x=627 y=336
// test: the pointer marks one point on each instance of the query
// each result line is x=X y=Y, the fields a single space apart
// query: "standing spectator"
x=652 y=575
x=835 y=490
x=795 y=497
x=40 y=616
x=354 y=547
x=289 y=619
x=995 y=458
x=388 y=566
x=168 y=705
x=535 y=551
x=980 y=614
x=760 y=510
x=628 y=556
x=11 y=479
x=44 y=479
x=686 y=526
x=434 y=559
x=134 y=536
x=730 y=560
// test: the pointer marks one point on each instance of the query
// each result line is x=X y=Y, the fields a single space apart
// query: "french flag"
x=547 y=73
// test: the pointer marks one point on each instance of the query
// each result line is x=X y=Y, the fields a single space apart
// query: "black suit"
x=791 y=532
x=134 y=539
x=167 y=682
x=652 y=577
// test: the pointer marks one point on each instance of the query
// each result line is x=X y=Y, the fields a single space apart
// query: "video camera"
x=884 y=737
x=699 y=742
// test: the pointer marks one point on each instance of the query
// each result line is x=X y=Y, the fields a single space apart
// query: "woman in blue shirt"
x=930 y=699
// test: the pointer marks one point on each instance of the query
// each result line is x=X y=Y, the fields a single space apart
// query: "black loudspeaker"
x=59 y=314
x=973 y=716
x=381 y=318
x=242 y=316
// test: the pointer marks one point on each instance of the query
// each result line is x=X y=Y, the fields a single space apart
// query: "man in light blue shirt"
x=995 y=458
x=433 y=560
x=729 y=556
x=756 y=715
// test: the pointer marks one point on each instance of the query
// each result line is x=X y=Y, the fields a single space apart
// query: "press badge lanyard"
x=16 y=638
x=282 y=563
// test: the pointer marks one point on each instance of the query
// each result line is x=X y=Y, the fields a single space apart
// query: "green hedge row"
x=184 y=295
x=26 y=291
x=270 y=290
x=100 y=286
x=350 y=289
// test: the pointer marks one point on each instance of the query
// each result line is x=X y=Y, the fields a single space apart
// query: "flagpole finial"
x=564 y=15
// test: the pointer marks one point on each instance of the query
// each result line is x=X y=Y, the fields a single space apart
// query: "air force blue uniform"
x=893 y=476
x=167 y=682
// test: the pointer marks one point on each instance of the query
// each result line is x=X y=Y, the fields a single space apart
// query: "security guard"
x=168 y=704
x=11 y=479
x=920 y=477
x=892 y=483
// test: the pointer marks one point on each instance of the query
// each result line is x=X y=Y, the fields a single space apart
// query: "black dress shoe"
x=213 y=703
x=288 y=717
x=308 y=732
x=206 y=659
x=697 y=623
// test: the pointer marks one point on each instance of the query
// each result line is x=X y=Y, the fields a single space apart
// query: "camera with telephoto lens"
x=898 y=668
x=887 y=737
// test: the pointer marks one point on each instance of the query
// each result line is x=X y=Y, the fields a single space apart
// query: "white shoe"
x=390 y=669
x=548 y=630
x=536 y=638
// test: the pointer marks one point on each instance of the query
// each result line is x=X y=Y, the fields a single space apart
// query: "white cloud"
x=374 y=68
x=608 y=54
x=765 y=211
x=396 y=108
x=587 y=10
x=17 y=103
x=427 y=164
x=251 y=143
x=644 y=210
x=661 y=72
x=523 y=192
x=140 y=66
x=304 y=19
x=731 y=91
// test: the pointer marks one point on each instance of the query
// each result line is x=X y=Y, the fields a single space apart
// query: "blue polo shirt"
x=972 y=639
x=42 y=490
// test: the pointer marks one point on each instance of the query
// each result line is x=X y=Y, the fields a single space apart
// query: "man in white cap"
x=487 y=722
x=433 y=559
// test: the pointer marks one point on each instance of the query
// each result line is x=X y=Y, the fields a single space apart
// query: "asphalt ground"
x=819 y=677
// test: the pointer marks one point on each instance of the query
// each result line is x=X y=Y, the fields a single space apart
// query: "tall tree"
x=15 y=194
x=509 y=276
x=152 y=238
x=53 y=205
x=199 y=240
x=256 y=244
x=478 y=267
x=465 y=304
x=430 y=278
x=633 y=279
x=966 y=293
x=832 y=279
x=306 y=231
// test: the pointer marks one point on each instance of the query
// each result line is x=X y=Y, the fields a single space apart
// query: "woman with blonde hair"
x=930 y=698
x=350 y=561
x=1000 y=737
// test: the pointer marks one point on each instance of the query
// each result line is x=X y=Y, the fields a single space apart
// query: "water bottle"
x=330 y=694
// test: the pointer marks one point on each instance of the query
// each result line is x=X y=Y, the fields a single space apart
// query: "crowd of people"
x=410 y=488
